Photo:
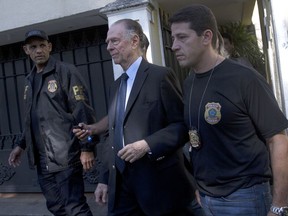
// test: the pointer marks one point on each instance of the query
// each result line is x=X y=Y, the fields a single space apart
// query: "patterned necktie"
x=119 y=118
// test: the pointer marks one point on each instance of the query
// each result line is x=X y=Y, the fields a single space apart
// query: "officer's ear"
x=26 y=50
x=207 y=36
x=50 y=46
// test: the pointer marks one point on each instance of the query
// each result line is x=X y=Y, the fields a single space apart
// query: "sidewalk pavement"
x=33 y=204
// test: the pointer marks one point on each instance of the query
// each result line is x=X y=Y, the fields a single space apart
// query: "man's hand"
x=87 y=160
x=134 y=151
x=197 y=195
x=278 y=146
x=83 y=131
x=14 y=157
x=270 y=214
x=101 y=194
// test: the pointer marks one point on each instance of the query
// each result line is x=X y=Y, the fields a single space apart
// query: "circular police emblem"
x=212 y=113
x=52 y=86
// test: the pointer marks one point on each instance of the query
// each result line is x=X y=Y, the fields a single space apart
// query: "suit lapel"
x=112 y=107
x=137 y=85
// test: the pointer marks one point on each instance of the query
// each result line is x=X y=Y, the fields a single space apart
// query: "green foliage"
x=245 y=43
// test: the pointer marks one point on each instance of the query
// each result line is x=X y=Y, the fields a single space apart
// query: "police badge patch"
x=52 y=86
x=212 y=113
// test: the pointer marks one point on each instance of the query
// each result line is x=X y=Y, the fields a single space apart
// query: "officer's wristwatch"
x=282 y=211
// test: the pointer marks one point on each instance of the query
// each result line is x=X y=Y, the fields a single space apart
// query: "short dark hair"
x=132 y=27
x=220 y=45
x=228 y=36
x=200 y=19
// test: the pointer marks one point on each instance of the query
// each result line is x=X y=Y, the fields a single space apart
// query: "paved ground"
x=27 y=204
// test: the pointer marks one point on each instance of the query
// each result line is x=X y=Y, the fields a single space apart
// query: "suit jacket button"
x=113 y=166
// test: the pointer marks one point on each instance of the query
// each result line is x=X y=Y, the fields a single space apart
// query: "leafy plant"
x=245 y=44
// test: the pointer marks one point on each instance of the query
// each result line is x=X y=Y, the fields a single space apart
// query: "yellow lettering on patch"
x=78 y=92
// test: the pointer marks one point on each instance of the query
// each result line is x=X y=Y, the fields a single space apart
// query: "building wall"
x=19 y=13
x=53 y=16
x=279 y=56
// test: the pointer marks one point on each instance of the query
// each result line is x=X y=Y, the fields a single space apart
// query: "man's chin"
x=116 y=61
x=42 y=61
x=183 y=64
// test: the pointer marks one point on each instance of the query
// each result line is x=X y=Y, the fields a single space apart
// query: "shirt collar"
x=132 y=70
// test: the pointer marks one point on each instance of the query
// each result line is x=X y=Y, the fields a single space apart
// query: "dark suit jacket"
x=154 y=112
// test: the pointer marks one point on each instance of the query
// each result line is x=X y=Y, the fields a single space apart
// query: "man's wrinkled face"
x=119 y=45
x=38 y=50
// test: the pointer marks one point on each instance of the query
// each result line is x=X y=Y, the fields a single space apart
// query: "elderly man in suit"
x=150 y=178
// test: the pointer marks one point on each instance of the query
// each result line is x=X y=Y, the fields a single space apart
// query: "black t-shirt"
x=237 y=113
x=39 y=149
